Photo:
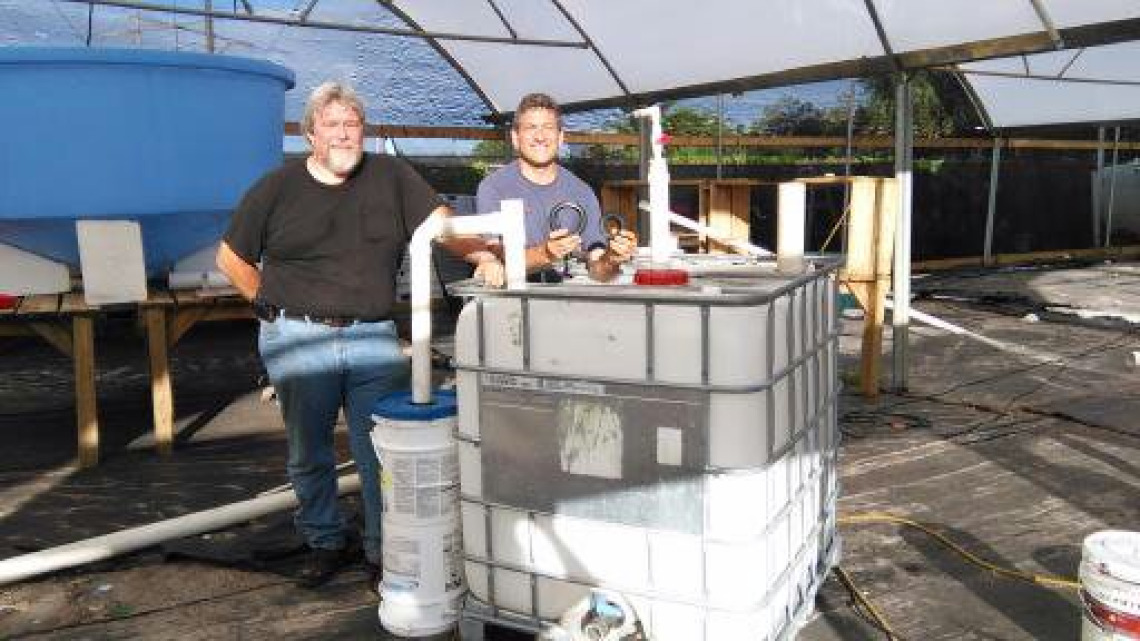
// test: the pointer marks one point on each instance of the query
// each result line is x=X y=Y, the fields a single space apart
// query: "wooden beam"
x=55 y=335
x=86 y=416
x=162 y=397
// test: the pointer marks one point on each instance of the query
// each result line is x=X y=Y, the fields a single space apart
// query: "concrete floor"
x=1015 y=452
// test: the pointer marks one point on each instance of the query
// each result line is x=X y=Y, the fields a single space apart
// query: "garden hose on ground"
x=879 y=621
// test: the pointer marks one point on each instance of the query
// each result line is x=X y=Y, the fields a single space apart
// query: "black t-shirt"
x=331 y=250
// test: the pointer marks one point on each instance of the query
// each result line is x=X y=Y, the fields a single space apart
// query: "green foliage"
x=941 y=106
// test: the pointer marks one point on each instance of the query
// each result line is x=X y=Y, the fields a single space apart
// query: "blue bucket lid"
x=399 y=406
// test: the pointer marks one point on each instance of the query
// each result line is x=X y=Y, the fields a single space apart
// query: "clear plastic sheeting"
x=1091 y=85
x=640 y=51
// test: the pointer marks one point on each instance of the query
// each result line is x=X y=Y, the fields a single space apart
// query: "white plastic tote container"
x=676 y=445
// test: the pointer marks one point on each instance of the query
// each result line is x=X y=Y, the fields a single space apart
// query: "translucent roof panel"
x=1094 y=84
x=638 y=51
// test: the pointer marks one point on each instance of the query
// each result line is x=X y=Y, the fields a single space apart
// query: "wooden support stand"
x=67 y=323
x=867 y=272
x=723 y=205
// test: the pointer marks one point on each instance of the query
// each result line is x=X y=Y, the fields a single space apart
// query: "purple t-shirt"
x=540 y=200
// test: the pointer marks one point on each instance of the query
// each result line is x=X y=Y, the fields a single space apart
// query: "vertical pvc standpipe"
x=1098 y=187
x=904 y=168
x=991 y=205
x=661 y=243
x=507 y=222
x=791 y=212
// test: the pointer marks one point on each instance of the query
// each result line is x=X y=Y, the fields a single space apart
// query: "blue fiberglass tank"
x=169 y=139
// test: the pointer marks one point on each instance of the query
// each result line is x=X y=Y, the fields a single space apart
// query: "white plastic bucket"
x=419 y=477
x=1110 y=586
x=422 y=587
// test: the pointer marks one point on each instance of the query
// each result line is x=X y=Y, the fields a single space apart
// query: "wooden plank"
x=183 y=320
x=162 y=397
x=86 y=416
x=73 y=302
x=16 y=329
x=158 y=298
x=54 y=334
x=39 y=304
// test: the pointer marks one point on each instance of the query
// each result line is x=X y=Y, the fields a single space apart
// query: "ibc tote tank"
x=676 y=446
x=168 y=139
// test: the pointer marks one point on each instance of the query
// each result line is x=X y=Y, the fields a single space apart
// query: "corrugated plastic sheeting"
x=1018 y=102
x=662 y=45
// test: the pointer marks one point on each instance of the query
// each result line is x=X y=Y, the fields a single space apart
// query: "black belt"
x=269 y=312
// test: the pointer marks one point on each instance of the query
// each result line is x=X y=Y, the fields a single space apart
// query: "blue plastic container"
x=169 y=139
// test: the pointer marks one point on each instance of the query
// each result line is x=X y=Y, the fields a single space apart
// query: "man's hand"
x=490 y=271
x=561 y=243
x=621 y=247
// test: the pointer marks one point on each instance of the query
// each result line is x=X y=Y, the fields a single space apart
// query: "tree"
x=941 y=106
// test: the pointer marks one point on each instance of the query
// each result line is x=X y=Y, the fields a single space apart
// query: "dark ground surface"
x=1016 y=453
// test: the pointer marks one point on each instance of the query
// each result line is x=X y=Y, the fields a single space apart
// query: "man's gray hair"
x=326 y=94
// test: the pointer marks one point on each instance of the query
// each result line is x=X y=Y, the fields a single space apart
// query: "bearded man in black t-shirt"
x=316 y=245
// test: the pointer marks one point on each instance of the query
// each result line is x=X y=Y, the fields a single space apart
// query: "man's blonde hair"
x=326 y=94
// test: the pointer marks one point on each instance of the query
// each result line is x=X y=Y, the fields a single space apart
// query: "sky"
x=403 y=80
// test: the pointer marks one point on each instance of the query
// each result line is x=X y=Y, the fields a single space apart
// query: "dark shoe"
x=322 y=565
x=374 y=574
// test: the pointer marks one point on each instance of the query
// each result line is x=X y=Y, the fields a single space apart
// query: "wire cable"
x=1044 y=580
x=876 y=618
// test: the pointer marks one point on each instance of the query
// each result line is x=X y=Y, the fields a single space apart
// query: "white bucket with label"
x=1110 y=586
x=422 y=586
x=422 y=589
x=419 y=476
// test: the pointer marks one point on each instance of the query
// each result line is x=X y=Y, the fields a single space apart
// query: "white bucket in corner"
x=422 y=589
x=1110 y=586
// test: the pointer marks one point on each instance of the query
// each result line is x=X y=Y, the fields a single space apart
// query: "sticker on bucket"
x=1110 y=586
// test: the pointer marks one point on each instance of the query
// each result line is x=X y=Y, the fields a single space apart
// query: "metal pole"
x=644 y=153
x=209 y=26
x=1112 y=189
x=991 y=207
x=719 y=133
x=904 y=167
x=1098 y=185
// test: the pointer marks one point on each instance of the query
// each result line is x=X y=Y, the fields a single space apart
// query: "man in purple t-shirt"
x=562 y=213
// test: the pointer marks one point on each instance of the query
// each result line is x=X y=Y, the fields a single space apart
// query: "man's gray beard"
x=340 y=163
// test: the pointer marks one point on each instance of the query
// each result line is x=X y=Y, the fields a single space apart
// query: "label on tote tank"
x=634 y=454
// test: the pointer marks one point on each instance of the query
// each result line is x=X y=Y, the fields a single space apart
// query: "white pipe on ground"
x=507 y=222
x=111 y=545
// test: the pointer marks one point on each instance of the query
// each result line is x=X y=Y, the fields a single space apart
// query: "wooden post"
x=86 y=416
x=160 y=391
x=870 y=243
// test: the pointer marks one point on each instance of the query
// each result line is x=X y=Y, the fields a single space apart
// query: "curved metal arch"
x=597 y=52
x=495 y=115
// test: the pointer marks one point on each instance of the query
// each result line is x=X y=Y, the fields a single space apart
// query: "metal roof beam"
x=335 y=26
x=1047 y=22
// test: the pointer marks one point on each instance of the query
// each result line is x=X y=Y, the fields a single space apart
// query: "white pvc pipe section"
x=739 y=245
x=111 y=545
x=904 y=168
x=508 y=222
x=661 y=243
x=791 y=208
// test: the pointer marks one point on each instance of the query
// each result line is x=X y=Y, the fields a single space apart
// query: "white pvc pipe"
x=661 y=243
x=791 y=206
x=508 y=222
x=110 y=545
x=740 y=246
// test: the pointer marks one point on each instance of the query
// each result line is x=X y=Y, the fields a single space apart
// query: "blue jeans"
x=315 y=370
